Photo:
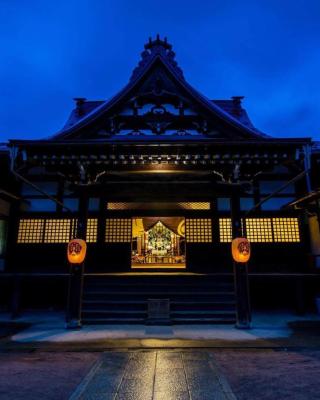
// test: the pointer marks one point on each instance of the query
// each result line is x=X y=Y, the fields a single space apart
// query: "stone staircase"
x=123 y=298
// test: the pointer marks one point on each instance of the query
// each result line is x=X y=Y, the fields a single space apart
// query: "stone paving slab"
x=154 y=375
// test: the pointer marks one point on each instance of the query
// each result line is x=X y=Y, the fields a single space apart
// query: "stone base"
x=74 y=324
x=158 y=321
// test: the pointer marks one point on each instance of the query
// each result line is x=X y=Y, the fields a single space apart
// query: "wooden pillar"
x=75 y=289
x=240 y=271
x=10 y=262
x=300 y=295
x=16 y=296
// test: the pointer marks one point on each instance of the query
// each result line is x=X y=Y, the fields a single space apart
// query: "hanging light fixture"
x=241 y=250
x=76 y=252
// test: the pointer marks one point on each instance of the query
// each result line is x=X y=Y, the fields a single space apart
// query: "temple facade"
x=158 y=181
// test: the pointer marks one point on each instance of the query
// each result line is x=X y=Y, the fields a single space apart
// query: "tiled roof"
x=229 y=106
x=161 y=51
x=85 y=108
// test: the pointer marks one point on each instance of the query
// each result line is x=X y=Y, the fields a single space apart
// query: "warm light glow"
x=76 y=251
x=241 y=250
x=286 y=229
x=259 y=230
x=118 y=230
x=199 y=230
x=181 y=229
x=159 y=266
x=225 y=230
x=137 y=227
x=156 y=169
x=190 y=205
x=157 y=242
x=264 y=230
x=92 y=230
x=31 y=231
x=57 y=231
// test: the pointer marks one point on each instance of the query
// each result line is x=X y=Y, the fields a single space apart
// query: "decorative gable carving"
x=158 y=102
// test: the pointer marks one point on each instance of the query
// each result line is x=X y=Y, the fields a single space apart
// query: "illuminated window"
x=259 y=229
x=30 y=231
x=92 y=230
x=118 y=230
x=194 y=205
x=198 y=230
x=286 y=229
x=225 y=230
x=159 y=206
x=57 y=231
x=54 y=230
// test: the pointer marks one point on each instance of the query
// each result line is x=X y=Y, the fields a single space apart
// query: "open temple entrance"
x=158 y=242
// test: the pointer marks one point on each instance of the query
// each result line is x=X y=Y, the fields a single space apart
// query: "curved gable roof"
x=159 y=52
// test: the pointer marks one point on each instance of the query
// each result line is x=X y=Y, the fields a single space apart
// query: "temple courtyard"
x=278 y=358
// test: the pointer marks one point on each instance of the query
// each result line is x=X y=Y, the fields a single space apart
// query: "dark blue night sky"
x=52 y=51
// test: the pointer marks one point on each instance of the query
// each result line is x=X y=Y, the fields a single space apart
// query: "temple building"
x=156 y=180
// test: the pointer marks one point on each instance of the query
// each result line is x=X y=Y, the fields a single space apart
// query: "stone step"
x=157 y=288
x=192 y=298
x=199 y=321
x=153 y=282
x=173 y=313
x=149 y=293
x=113 y=313
x=142 y=305
x=113 y=321
x=142 y=321
x=174 y=297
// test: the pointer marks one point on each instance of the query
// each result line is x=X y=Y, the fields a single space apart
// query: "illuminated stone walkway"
x=158 y=375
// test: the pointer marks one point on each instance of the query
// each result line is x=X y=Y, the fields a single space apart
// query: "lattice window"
x=57 y=231
x=92 y=230
x=120 y=206
x=155 y=206
x=198 y=230
x=118 y=230
x=259 y=230
x=225 y=230
x=193 y=205
x=286 y=229
x=30 y=231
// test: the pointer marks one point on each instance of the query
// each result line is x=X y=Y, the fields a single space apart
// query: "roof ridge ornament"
x=153 y=48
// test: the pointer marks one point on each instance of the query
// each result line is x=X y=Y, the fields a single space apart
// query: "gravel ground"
x=272 y=375
x=42 y=376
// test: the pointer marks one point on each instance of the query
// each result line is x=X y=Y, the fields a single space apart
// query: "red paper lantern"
x=241 y=250
x=77 y=249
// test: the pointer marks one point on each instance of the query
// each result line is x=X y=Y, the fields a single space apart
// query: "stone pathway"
x=154 y=375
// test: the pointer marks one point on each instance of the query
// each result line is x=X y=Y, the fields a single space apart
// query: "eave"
x=193 y=93
x=152 y=141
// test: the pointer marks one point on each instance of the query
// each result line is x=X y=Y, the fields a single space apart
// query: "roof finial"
x=237 y=100
x=79 y=104
x=158 y=42
x=157 y=47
